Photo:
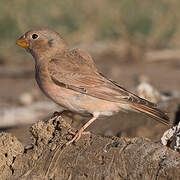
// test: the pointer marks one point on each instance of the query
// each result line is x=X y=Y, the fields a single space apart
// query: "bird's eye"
x=34 y=36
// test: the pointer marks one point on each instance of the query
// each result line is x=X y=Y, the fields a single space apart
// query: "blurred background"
x=135 y=43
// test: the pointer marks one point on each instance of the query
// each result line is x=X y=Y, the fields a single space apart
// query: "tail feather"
x=152 y=112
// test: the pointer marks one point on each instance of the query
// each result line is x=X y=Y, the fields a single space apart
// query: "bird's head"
x=42 y=42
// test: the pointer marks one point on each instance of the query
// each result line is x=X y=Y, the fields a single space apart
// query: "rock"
x=26 y=99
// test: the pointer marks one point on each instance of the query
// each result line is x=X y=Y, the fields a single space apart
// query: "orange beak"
x=22 y=42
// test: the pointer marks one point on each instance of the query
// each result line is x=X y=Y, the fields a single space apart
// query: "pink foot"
x=77 y=137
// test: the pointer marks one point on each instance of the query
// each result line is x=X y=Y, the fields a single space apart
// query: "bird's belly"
x=59 y=95
x=93 y=104
x=78 y=102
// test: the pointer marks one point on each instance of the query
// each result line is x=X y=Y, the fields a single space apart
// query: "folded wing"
x=76 y=71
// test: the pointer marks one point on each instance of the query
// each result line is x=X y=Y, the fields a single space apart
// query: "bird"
x=70 y=78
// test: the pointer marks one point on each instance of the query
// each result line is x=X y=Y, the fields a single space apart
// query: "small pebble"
x=26 y=99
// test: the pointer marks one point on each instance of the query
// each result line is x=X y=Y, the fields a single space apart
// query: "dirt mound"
x=92 y=157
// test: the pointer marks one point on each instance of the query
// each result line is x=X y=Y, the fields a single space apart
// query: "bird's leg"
x=64 y=112
x=80 y=132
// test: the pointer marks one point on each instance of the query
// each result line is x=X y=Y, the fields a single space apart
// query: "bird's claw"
x=77 y=137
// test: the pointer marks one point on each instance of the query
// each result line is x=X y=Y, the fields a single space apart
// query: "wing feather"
x=76 y=71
